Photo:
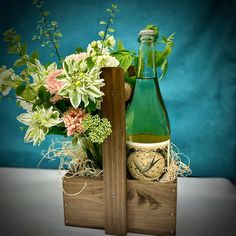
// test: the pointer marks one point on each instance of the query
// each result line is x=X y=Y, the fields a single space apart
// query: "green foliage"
x=62 y=106
x=57 y=130
x=162 y=57
x=29 y=94
x=43 y=94
x=20 y=89
x=124 y=58
x=48 y=33
x=120 y=45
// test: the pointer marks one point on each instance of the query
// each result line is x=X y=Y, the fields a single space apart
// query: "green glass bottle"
x=147 y=124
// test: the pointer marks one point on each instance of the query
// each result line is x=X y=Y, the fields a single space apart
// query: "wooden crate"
x=151 y=207
x=114 y=203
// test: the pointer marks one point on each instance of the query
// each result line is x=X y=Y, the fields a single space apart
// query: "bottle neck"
x=146 y=59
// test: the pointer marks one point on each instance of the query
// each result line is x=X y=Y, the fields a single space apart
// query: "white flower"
x=76 y=57
x=39 y=73
x=96 y=48
x=6 y=76
x=39 y=123
x=106 y=61
x=111 y=41
x=81 y=83
x=25 y=105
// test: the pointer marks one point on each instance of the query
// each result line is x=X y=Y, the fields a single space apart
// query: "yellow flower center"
x=78 y=83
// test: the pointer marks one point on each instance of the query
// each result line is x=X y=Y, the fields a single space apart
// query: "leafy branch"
x=48 y=32
x=110 y=20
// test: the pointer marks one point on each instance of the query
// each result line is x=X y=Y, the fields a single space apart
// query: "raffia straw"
x=74 y=160
x=177 y=167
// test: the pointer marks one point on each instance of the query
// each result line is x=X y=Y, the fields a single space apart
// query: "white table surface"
x=31 y=205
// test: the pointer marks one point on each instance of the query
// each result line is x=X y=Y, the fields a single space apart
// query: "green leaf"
x=43 y=94
x=91 y=106
x=46 y=105
x=75 y=140
x=23 y=49
x=111 y=30
x=19 y=63
x=124 y=58
x=17 y=38
x=160 y=57
x=102 y=22
x=62 y=106
x=65 y=65
x=164 y=68
x=20 y=89
x=34 y=55
x=90 y=63
x=58 y=130
x=28 y=94
x=79 y=50
x=120 y=45
x=46 y=13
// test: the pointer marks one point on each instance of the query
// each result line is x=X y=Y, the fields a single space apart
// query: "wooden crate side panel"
x=87 y=208
x=151 y=208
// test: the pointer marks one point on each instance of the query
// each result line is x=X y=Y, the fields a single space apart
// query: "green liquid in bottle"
x=146 y=117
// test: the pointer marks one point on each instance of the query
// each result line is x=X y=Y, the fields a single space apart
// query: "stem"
x=106 y=29
x=50 y=35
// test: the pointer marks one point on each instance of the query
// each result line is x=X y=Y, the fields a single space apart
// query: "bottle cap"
x=147 y=32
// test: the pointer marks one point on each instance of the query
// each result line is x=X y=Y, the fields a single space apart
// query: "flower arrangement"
x=64 y=98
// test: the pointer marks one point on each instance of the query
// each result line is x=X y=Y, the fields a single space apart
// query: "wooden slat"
x=85 y=209
x=114 y=152
x=151 y=207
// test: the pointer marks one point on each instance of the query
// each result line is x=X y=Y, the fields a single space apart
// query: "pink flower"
x=52 y=84
x=77 y=57
x=73 y=120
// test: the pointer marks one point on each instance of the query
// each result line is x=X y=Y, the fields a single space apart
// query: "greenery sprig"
x=112 y=10
x=48 y=33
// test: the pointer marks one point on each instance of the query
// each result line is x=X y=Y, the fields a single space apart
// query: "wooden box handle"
x=114 y=152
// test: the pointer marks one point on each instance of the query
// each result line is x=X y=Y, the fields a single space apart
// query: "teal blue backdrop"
x=199 y=89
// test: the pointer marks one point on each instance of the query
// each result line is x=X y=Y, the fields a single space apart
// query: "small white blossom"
x=6 y=76
x=106 y=61
x=39 y=73
x=111 y=41
x=25 y=105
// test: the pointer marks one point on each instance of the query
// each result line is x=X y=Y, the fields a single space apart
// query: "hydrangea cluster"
x=97 y=128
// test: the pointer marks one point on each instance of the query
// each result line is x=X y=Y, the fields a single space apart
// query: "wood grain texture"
x=151 y=207
x=87 y=208
x=114 y=152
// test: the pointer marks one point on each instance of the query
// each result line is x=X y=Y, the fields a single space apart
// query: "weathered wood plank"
x=85 y=209
x=151 y=207
x=114 y=152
